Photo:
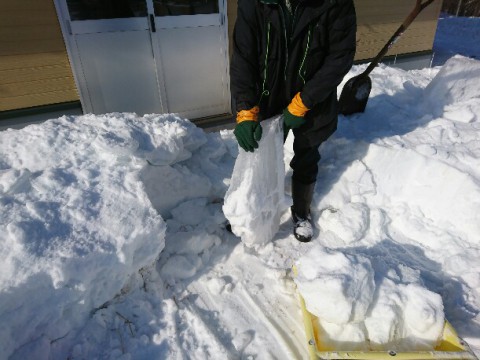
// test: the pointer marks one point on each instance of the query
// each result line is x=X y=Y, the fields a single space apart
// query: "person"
x=288 y=58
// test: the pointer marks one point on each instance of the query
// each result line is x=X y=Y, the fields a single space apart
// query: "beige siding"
x=34 y=67
x=377 y=21
x=231 y=15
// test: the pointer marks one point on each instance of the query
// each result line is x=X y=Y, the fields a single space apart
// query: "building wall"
x=231 y=16
x=34 y=67
x=377 y=21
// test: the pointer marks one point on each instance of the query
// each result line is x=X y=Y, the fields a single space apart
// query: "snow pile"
x=418 y=188
x=455 y=92
x=255 y=200
x=77 y=217
x=186 y=163
x=357 y=313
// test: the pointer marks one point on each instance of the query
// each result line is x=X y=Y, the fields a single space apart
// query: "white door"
x=148 y=56
x=111 y=50
x=191 y=41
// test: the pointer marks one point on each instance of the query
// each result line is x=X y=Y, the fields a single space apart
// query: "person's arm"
x=342 y=44
x=244 y=72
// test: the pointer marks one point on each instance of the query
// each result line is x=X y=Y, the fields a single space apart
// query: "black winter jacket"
x=270 y=65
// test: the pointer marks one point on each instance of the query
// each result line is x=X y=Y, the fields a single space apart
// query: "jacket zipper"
x=286 y=43
x=292 y=25
x=265 y=92
x=305 y=55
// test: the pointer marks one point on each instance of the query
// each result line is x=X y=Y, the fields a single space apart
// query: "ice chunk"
x=255 y=199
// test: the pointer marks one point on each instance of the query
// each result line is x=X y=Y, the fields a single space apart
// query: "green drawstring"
x=305 y=55
x=265 y=92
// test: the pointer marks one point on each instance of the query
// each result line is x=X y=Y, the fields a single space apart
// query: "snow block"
x=255 y=199
x=76 y=223
x=454 y=92
x=337 y=288
x=352 y=302
x=405 y=317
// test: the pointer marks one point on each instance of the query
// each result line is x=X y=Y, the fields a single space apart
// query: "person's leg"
x=305 y=168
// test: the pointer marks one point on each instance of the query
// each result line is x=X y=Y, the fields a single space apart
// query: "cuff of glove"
x=297 y=107
x=248 y=115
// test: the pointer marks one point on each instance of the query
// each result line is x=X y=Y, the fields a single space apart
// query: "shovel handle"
x=419 y=6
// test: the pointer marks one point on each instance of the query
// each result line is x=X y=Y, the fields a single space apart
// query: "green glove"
x=293 y=115
x=248 y=133
x=291 y=121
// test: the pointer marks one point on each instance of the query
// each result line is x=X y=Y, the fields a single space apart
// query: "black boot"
x=302 y=198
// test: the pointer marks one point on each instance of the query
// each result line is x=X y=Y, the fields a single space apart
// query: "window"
x=106 y=9
x=185 y=7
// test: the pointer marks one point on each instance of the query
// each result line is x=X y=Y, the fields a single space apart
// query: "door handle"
x=152 y=23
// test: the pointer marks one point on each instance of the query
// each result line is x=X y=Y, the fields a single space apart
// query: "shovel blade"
x=354 y=96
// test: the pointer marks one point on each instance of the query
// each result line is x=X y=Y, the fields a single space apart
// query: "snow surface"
x=113 y=243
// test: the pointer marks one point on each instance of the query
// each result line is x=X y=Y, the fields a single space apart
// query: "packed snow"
x=355 y=314
x=338 y=288
x=255 y=199
x=76 y=223
x=113 y=240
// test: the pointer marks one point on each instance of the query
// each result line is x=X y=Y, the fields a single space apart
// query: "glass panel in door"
x=185 y=7
x=106 y=9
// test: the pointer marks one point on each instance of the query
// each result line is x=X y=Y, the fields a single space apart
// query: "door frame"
x=73 y=55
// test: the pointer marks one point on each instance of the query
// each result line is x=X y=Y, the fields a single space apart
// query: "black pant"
x=305 y=160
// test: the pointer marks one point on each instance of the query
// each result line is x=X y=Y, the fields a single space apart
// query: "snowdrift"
x=80 y=204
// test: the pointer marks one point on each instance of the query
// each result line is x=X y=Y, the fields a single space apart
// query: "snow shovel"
x=354 y=96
